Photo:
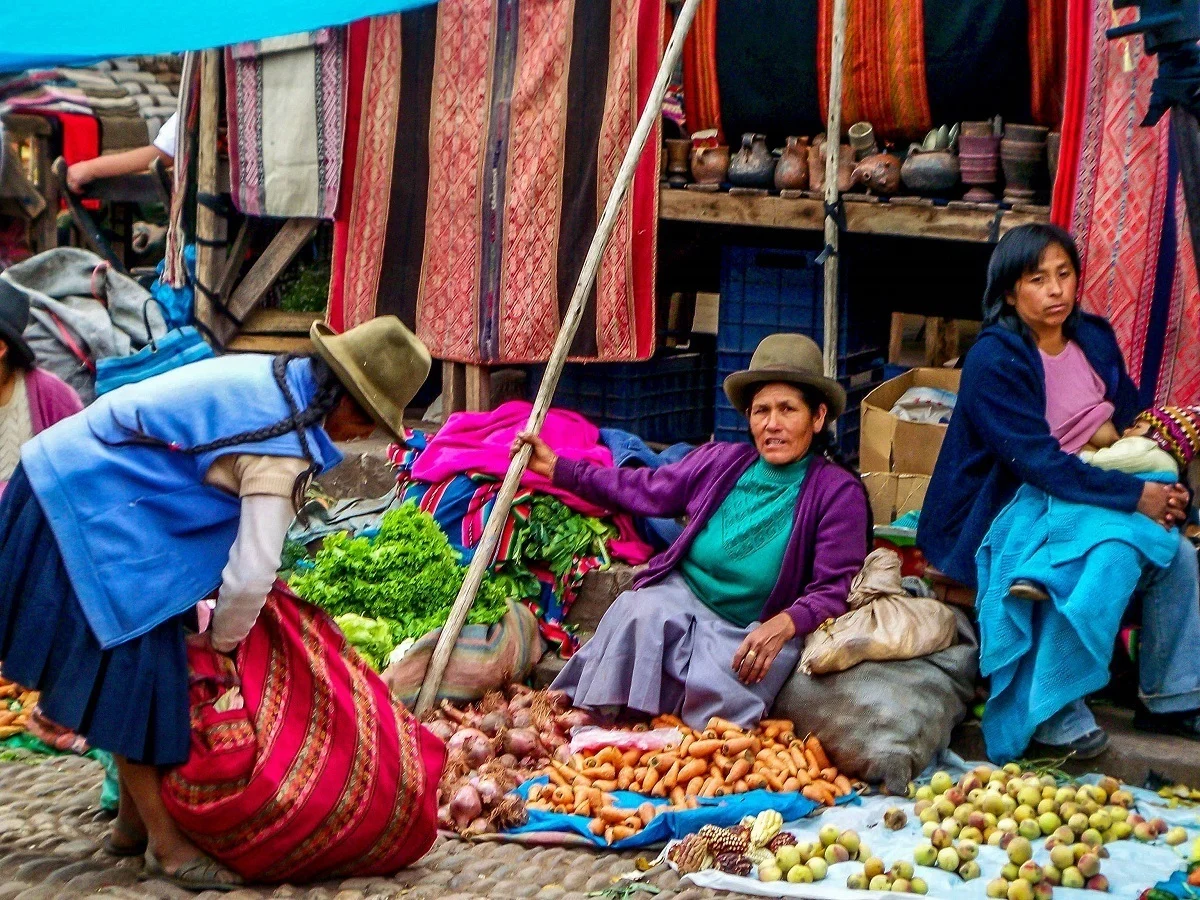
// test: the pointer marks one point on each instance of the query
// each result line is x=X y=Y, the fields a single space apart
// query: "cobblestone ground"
x=51 y=826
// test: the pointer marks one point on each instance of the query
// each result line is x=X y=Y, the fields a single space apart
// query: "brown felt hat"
x=790 y=359
x=380 y=363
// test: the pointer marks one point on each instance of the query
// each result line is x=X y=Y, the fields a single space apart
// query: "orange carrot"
x=620 y=832
x=678 y=796
x=754 y=781
x=734 y=746
x=672 y=777
x=791 y=785
x=624 y=778
x=694 y=786
x=612 y=815
x=646 y=812
x=685 y=743
x=740 y=787
x=778 y=724
x=842 y=783
x=774 y=782
x=631 y=757
x=829 y=773
x=605 y=785
x=597 y=827
x=705 y=748
x=716 y=723
x=650 y=780
x=691 y=769
x=738 y=771
x=710 y=788
x=818 y=751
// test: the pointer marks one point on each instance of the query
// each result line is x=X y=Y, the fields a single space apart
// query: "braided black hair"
x=329 y=392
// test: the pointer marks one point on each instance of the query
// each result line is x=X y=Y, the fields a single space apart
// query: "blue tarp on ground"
x=724 y=811
x=36 y=35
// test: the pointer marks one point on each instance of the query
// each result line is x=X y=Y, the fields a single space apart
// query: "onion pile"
x=493 y=746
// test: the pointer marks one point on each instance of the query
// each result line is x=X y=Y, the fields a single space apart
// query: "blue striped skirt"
x=131 y=699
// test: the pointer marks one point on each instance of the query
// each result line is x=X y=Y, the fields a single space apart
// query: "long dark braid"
x=329 y=392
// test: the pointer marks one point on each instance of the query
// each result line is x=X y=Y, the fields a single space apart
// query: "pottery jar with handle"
x=879 y=173
x=753 y=166
x=862 y=139
x=925 y=172
x=791 y=172
x=710 y=164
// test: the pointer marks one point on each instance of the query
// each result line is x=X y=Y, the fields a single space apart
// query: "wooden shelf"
x=906 y=217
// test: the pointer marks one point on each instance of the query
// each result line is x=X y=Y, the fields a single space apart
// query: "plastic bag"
x=925 y=405
x=593 y=737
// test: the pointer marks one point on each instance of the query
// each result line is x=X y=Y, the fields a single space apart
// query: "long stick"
x=562 y=346
x=833 y=143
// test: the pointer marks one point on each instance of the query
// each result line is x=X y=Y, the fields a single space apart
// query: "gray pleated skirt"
x=660 y=650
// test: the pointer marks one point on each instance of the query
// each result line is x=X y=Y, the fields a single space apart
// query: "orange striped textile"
x=1047 y=60
x=701 y=94
x=884 y=76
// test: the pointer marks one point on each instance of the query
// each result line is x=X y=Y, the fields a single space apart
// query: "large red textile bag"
x=318 y=774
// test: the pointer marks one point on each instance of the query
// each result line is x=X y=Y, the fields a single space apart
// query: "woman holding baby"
x=1047 y=407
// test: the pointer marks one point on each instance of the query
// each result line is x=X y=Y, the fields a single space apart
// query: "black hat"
x=14 y=316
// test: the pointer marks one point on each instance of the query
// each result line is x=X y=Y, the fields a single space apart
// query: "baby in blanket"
x=1162 y=439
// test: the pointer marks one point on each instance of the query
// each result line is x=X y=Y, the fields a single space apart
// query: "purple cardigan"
x=829 y=533
x=50 y=399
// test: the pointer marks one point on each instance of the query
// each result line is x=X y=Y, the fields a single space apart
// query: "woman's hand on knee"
x=542 y=459
x=758 y=650
x=1166 y=504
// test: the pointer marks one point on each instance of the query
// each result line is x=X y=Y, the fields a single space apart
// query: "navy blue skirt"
x=130 y=700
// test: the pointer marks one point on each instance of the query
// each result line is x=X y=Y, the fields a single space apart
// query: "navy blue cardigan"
x=998 y=439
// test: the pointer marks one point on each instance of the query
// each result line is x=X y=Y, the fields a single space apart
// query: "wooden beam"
x=952 y=223
x=280 y=322
x=283 y=248
x=235 y=256
x=454 y=388
x=478 y=388
x=211 y=229
x=262 y=343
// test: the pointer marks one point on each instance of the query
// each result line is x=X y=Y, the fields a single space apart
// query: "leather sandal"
x=199 y=874
x=135 y=847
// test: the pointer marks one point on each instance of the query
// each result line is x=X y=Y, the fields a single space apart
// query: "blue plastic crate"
x=667 y=399
x=764 y=292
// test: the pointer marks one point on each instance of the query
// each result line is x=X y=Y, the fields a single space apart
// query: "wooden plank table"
x=904 y=217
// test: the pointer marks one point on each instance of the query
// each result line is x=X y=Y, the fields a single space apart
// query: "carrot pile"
x=16 y=704
x=721 y=760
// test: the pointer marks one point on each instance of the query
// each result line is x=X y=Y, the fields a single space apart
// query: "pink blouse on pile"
x=1075 y=404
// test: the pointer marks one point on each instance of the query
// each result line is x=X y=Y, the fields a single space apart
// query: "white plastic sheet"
x=1132 y=867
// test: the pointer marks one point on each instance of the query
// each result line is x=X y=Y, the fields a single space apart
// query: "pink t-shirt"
x=1075 y=404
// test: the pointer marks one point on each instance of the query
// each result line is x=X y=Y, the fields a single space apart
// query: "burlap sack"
x=884 y=623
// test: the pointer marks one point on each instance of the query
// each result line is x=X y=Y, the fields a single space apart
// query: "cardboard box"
x=893 y=494
x=889 y=444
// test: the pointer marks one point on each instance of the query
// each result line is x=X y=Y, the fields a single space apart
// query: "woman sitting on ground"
x=776 y=533
x=31 y=399
x=1042 y=382
x=164 y=493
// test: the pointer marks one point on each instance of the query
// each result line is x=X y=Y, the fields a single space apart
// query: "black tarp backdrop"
x=976 y=59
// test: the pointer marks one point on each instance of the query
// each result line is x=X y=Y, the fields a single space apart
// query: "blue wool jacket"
x=999 y=439
x=141 y=535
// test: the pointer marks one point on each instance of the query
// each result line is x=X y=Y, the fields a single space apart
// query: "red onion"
x=445 y=820
x=562 y=754
x=558 y=699
x=479 y=826
x=507 y=761
x=441 y=729
x=494 y=722
x=465 y=806
x=521 y=701
x=516 y=689
x=490 y=791
x=575 y=718
x=521 y=718
x=451 y=713
x=521 y=742
x=462 y=736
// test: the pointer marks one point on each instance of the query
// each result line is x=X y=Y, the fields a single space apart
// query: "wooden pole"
x=833 y=143
x=210 y=227
x=562 y=346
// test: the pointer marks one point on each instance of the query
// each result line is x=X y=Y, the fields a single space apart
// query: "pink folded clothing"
x=482 y=442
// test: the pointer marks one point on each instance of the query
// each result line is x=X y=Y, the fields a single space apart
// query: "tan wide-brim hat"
x=790 y=359
x=380 y=363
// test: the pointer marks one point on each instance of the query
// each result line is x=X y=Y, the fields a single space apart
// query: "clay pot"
x=879 y=173
x=1024 y=166
x=753 y=166
x=816 y=166
x=978 y=160
x=930 y=172
x=1033 y=134
x=791 y=172
x=677 y=161
x=975 y=129
x=862 y=139
x=1053 y=142
x=710 y=164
